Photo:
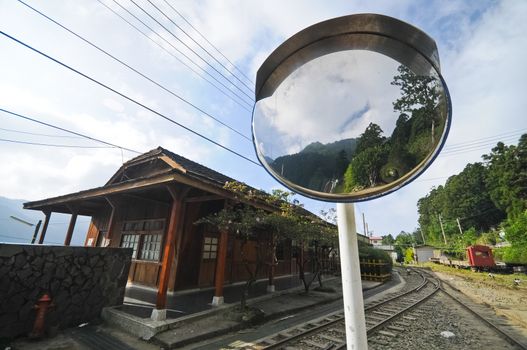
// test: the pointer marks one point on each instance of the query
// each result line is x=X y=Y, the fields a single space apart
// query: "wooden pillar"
x=112 y=223
x=45 y=227
x=270 y=285
x=174 y=226
x=220 y=268
x=71 y=227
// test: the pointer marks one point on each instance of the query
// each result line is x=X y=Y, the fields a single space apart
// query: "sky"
x=333 y=97
x=482 y=46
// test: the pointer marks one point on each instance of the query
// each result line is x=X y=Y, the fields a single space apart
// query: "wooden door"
x=209 y=252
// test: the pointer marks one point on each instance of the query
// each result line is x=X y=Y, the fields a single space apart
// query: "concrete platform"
x=199 y=319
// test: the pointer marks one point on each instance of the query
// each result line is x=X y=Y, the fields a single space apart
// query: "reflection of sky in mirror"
x=331 y=98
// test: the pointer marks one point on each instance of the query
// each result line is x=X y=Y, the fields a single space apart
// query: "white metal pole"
x=356 y=338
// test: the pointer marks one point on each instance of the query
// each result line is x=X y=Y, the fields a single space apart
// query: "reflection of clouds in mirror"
x=331 y=98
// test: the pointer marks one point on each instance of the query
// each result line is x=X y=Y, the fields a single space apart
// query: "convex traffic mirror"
x=351 y=109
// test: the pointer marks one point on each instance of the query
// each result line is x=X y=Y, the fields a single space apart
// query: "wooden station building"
x=151 y=204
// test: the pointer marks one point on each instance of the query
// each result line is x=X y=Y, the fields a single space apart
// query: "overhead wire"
x=192 y=50
x=37 y=134
x=50 y=144
x=136 y=71
x=211 y=44
x=197 y=43
x=129 y=98
x=480 y=143
x=67 y=130
x=497 y=136
x=241 y=102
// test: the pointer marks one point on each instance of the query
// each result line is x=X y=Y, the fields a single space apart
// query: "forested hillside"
x=487 y=198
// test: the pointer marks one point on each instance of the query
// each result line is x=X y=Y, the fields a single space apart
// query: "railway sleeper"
x=314 y=344
x=331 y=339
x=396 y=328
x=378 y=341
x=383 y=313
x=388 y=334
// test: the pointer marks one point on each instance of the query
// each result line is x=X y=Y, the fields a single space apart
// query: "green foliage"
x=367 y=252
x=483 y=197
x=516 y=234
x=408 y=255
x=388 y=240
x=465 y=197
x=366 y=167
x=507 y=176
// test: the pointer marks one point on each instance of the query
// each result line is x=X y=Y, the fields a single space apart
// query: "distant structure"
x=423 y=253
x=375 y=241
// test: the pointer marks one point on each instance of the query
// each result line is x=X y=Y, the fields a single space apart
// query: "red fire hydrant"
x=42 y=307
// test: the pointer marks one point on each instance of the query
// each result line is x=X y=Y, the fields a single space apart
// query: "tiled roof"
x=189 y=165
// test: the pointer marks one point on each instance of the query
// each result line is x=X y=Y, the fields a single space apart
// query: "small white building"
x=423 y=253
x=388 y=249
x=375 y=241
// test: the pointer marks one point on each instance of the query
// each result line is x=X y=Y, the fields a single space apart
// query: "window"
x=130 y=241
x=145 y=237
x=210 y=247
x=151 y=247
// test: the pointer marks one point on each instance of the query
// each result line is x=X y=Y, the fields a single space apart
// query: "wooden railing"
x=375 y=270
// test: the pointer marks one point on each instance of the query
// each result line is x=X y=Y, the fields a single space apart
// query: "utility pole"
x=422 y=236
x=364 y=224
x=442 y=229
x=459 y=226
x=368 y=231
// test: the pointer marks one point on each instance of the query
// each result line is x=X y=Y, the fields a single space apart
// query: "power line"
x=481 y=143
x=50 y=144
x=212 y=45
x=37 y=134
x=136 y=71
x=497 y=136
x=245 y=103
x=68 y=131
x=204 y=49
x=129 y=98
x=192 y=50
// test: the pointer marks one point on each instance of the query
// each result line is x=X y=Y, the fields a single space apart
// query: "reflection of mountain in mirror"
x=350 y=122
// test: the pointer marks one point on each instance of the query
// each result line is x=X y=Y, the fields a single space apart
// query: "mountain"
x=13 y=231
x=317 y=165
x=332 y=149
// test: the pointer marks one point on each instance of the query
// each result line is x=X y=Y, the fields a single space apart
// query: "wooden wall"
x=192 y=270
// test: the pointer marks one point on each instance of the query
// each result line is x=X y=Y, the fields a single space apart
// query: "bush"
x=367 y=252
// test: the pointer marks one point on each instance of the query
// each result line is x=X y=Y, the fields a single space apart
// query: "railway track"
x=328 y=332
x=385 y=318
x=483 y=315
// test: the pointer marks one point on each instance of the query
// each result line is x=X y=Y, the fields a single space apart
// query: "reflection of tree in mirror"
x=372 y=159
x=379 y=160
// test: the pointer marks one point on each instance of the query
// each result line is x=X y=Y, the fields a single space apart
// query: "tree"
x=420 y=98
x=409 y=255
x=388 y=240
x=469 y=200
x=371 y=137
x=507 y=176
x=364 y=169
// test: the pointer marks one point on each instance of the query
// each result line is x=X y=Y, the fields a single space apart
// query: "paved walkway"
x=140 y=301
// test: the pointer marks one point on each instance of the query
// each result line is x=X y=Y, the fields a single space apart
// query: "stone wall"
x=80 y=281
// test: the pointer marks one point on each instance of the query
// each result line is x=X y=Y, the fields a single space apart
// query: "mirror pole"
x=351 y=282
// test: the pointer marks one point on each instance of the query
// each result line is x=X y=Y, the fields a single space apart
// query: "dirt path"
x=505 y=301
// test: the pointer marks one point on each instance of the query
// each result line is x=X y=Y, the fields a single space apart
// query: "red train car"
x=480 y=257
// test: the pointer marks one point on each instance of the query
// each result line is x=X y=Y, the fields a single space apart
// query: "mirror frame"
x=388 y=36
